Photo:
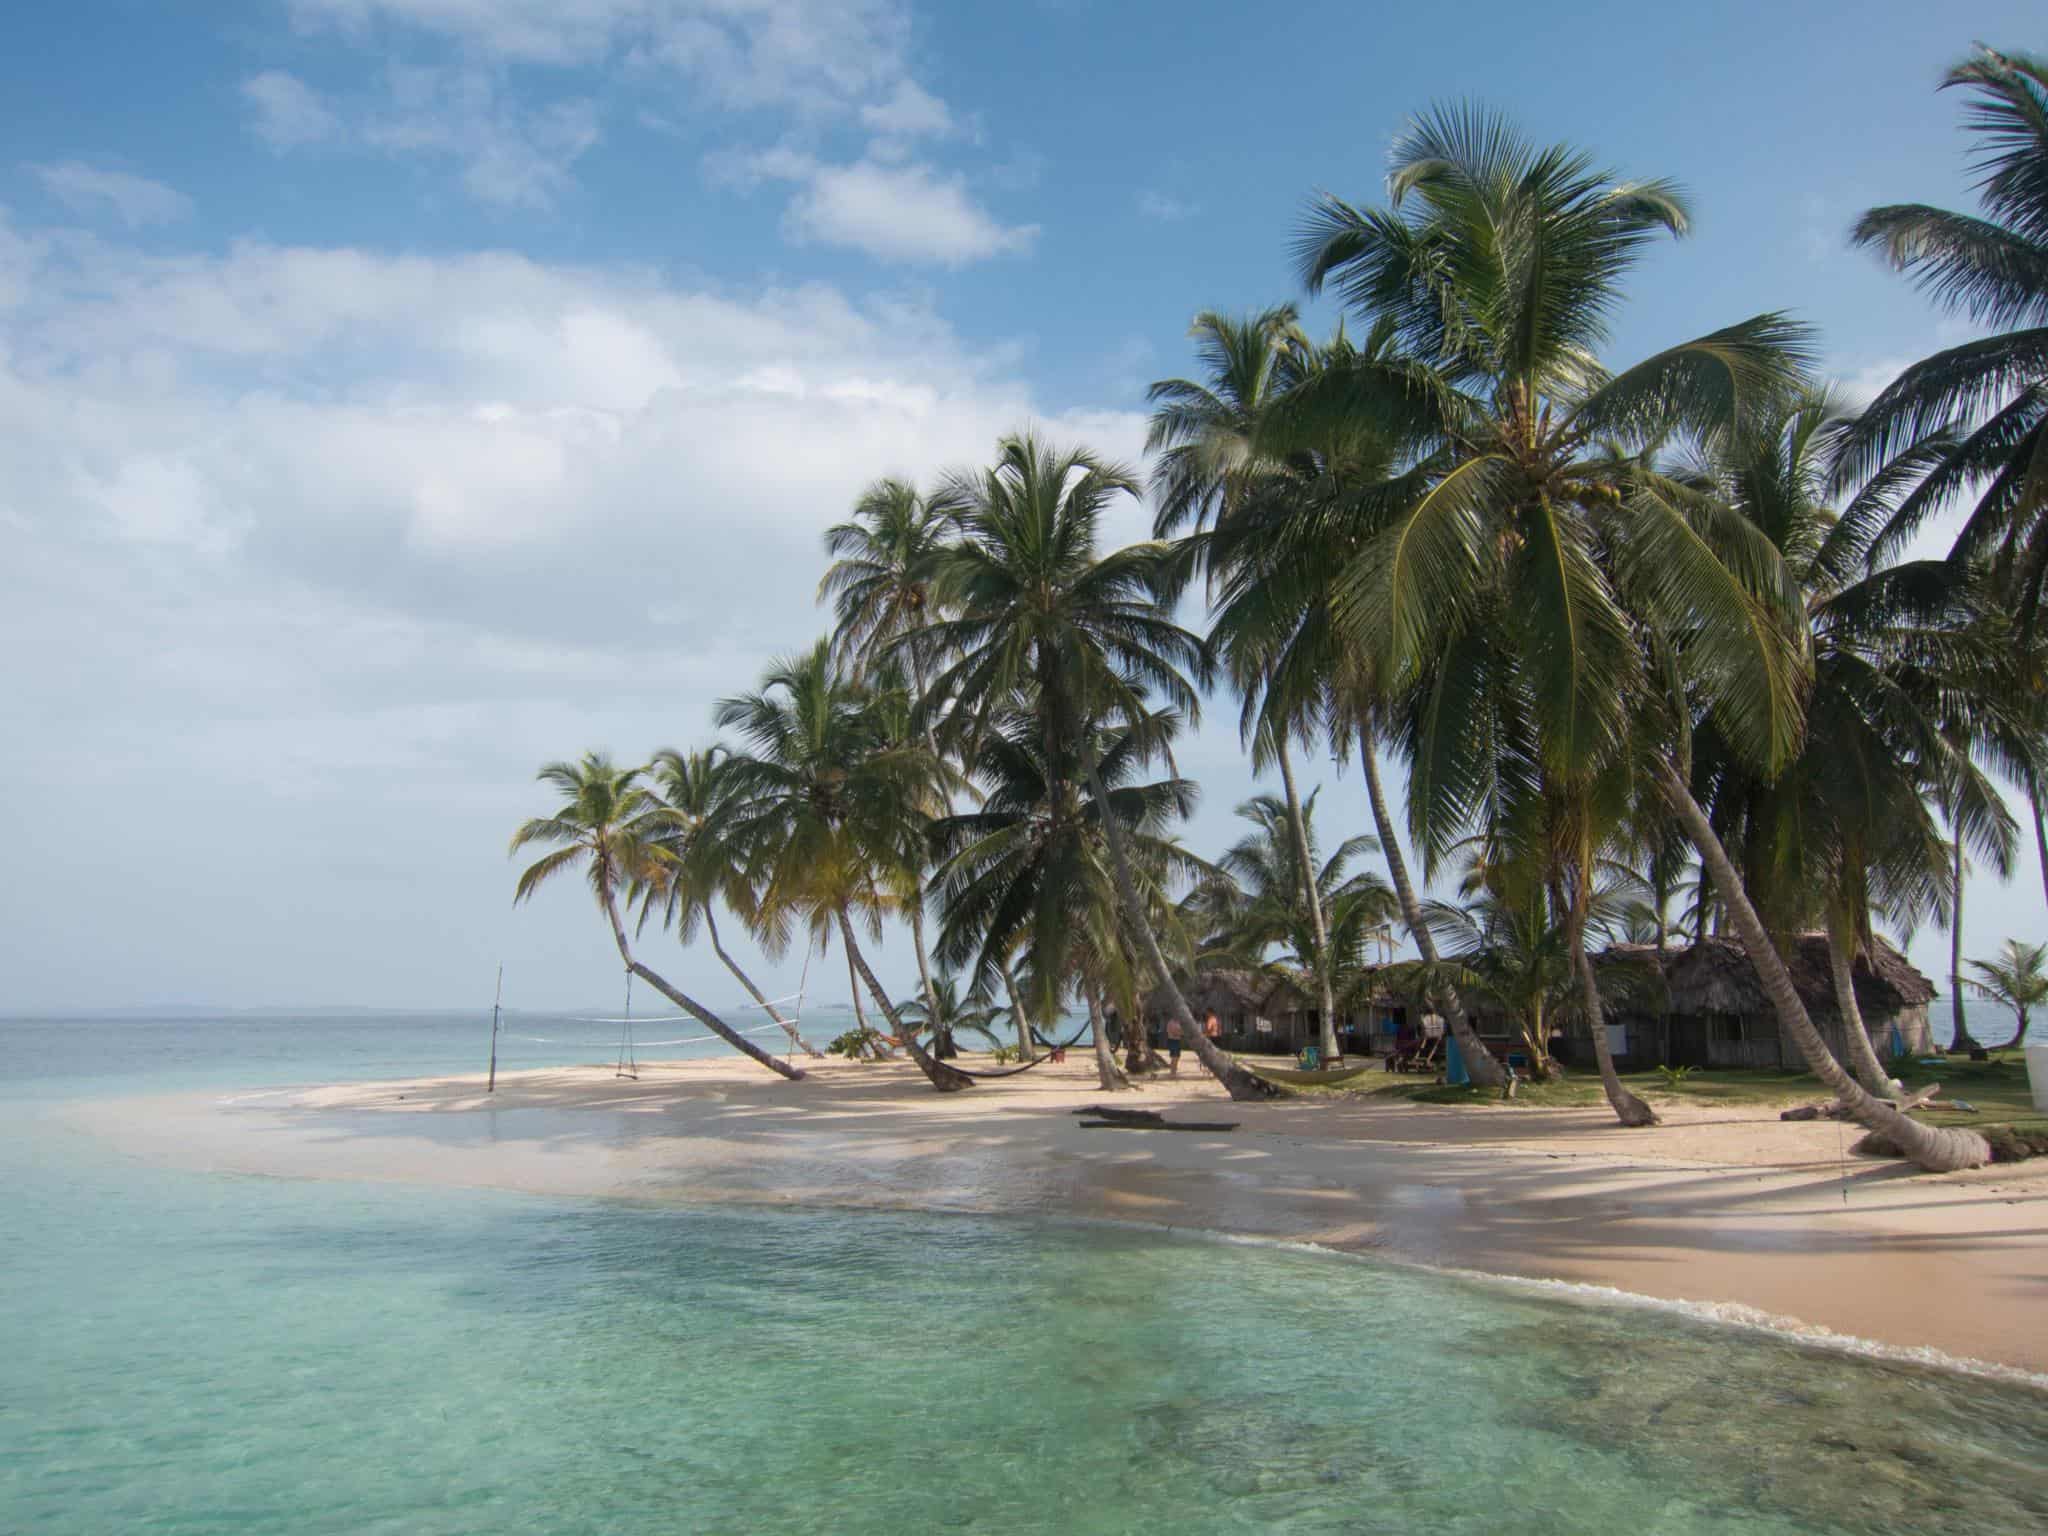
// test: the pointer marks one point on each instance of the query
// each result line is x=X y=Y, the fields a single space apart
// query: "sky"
x=397 y=394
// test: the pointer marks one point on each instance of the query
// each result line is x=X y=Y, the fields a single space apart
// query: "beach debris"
x=1108 y=1117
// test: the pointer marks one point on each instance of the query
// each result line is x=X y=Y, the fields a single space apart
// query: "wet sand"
x=1721 y=1206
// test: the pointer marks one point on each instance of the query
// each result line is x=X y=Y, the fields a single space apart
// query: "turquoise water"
x=192 y=1353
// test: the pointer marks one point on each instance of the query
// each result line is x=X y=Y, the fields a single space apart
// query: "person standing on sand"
x=1173 y=1047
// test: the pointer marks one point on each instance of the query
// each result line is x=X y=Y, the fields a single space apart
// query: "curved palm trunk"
x=1109 y=1079
x=718 y=949
x=2019 y=1035
x=1479 y=1061
x=1026 y=1051
x=1862 y=1060
x=944 y=1078
x=689 y=1005
x=1937 y=1150
x=1963 y=1040
x=1628 y=1109
x=1238 y=1082
x=1326 y=995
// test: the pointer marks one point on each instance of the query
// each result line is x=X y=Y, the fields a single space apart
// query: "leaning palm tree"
x=1041 y=614
x=1519 y=555
x=1906 y=685
x=1971 y=421
x=2018 y=978
x=823 y=806
x=613 y=827
x=699 y=871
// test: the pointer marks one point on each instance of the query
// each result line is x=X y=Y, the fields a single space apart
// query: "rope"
x=629 y=1065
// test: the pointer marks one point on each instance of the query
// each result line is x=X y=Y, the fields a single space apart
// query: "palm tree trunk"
x=924 y=969
x=2019 y=1035
x=1238 y=1082
x=718 y=949
x=689 y=1005
x=944 y=1078
x=1106 y=1073
x=1931 y=1148
x=1479 y=1061
x=860 y=1018
x=1025 y=1050
x=1862 y=1060
x=1628 y=1109
x=2040 y=835
x=1962 y=1040
x=1326 y=995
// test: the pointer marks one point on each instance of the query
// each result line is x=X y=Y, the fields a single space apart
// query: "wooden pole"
x=497 y=999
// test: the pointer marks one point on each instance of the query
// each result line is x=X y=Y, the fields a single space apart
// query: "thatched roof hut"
x=1225 y=993
x=1715 y=976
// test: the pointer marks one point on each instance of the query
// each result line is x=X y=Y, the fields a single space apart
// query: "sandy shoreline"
x=1720 y=1206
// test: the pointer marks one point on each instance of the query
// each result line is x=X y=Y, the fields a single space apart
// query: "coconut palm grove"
x=1639 y=660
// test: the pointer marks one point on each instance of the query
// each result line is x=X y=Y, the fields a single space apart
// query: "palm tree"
x=880 y=579
x=823 y=807
x=1519 y=555
x=1902 y=692
x=2018 y=978
x=613 y=828
x=1042 y=615
x=699 y=870
x=1970 y=420
x=1209 y=466
x=1508 y=942
x=1025 y=875
x=949 y=1010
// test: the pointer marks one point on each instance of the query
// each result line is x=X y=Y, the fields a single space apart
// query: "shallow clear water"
x=190 y=1353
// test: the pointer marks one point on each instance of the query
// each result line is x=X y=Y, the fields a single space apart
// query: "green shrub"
x=1674 y=1077
x=855 y=1043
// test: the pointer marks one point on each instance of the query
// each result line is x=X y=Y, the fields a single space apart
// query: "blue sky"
x=394 y=393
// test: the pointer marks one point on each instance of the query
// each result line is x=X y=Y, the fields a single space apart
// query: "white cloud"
x=911 y=113
x=809 y=54
x=1157 y=205
x=288 y=113
x=335 y=547
x=135 y=200
x=907 y=212
x=513 y=156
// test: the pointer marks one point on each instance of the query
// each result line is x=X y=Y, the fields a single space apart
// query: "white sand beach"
x=1722 y=1206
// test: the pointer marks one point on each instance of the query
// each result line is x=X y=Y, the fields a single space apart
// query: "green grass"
x=1998 y=1089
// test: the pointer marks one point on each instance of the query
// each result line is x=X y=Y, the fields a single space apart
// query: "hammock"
x=1013 y=1071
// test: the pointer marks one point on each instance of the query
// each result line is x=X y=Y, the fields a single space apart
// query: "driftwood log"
x=1834 y=1109
x=1108 y=1117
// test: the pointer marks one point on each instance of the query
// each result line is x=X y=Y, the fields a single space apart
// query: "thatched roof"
x=1226 y=992
x=1715 y=976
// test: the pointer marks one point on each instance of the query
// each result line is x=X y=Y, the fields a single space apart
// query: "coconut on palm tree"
x=824 y=806
x=2018 y=978
x=615 y=830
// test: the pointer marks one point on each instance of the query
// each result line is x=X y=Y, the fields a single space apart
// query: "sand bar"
x=1727 y=1206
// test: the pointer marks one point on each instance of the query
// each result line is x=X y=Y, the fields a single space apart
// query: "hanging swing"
x=629 y=1065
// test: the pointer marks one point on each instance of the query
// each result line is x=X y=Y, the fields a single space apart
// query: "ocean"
x=185 y=1352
